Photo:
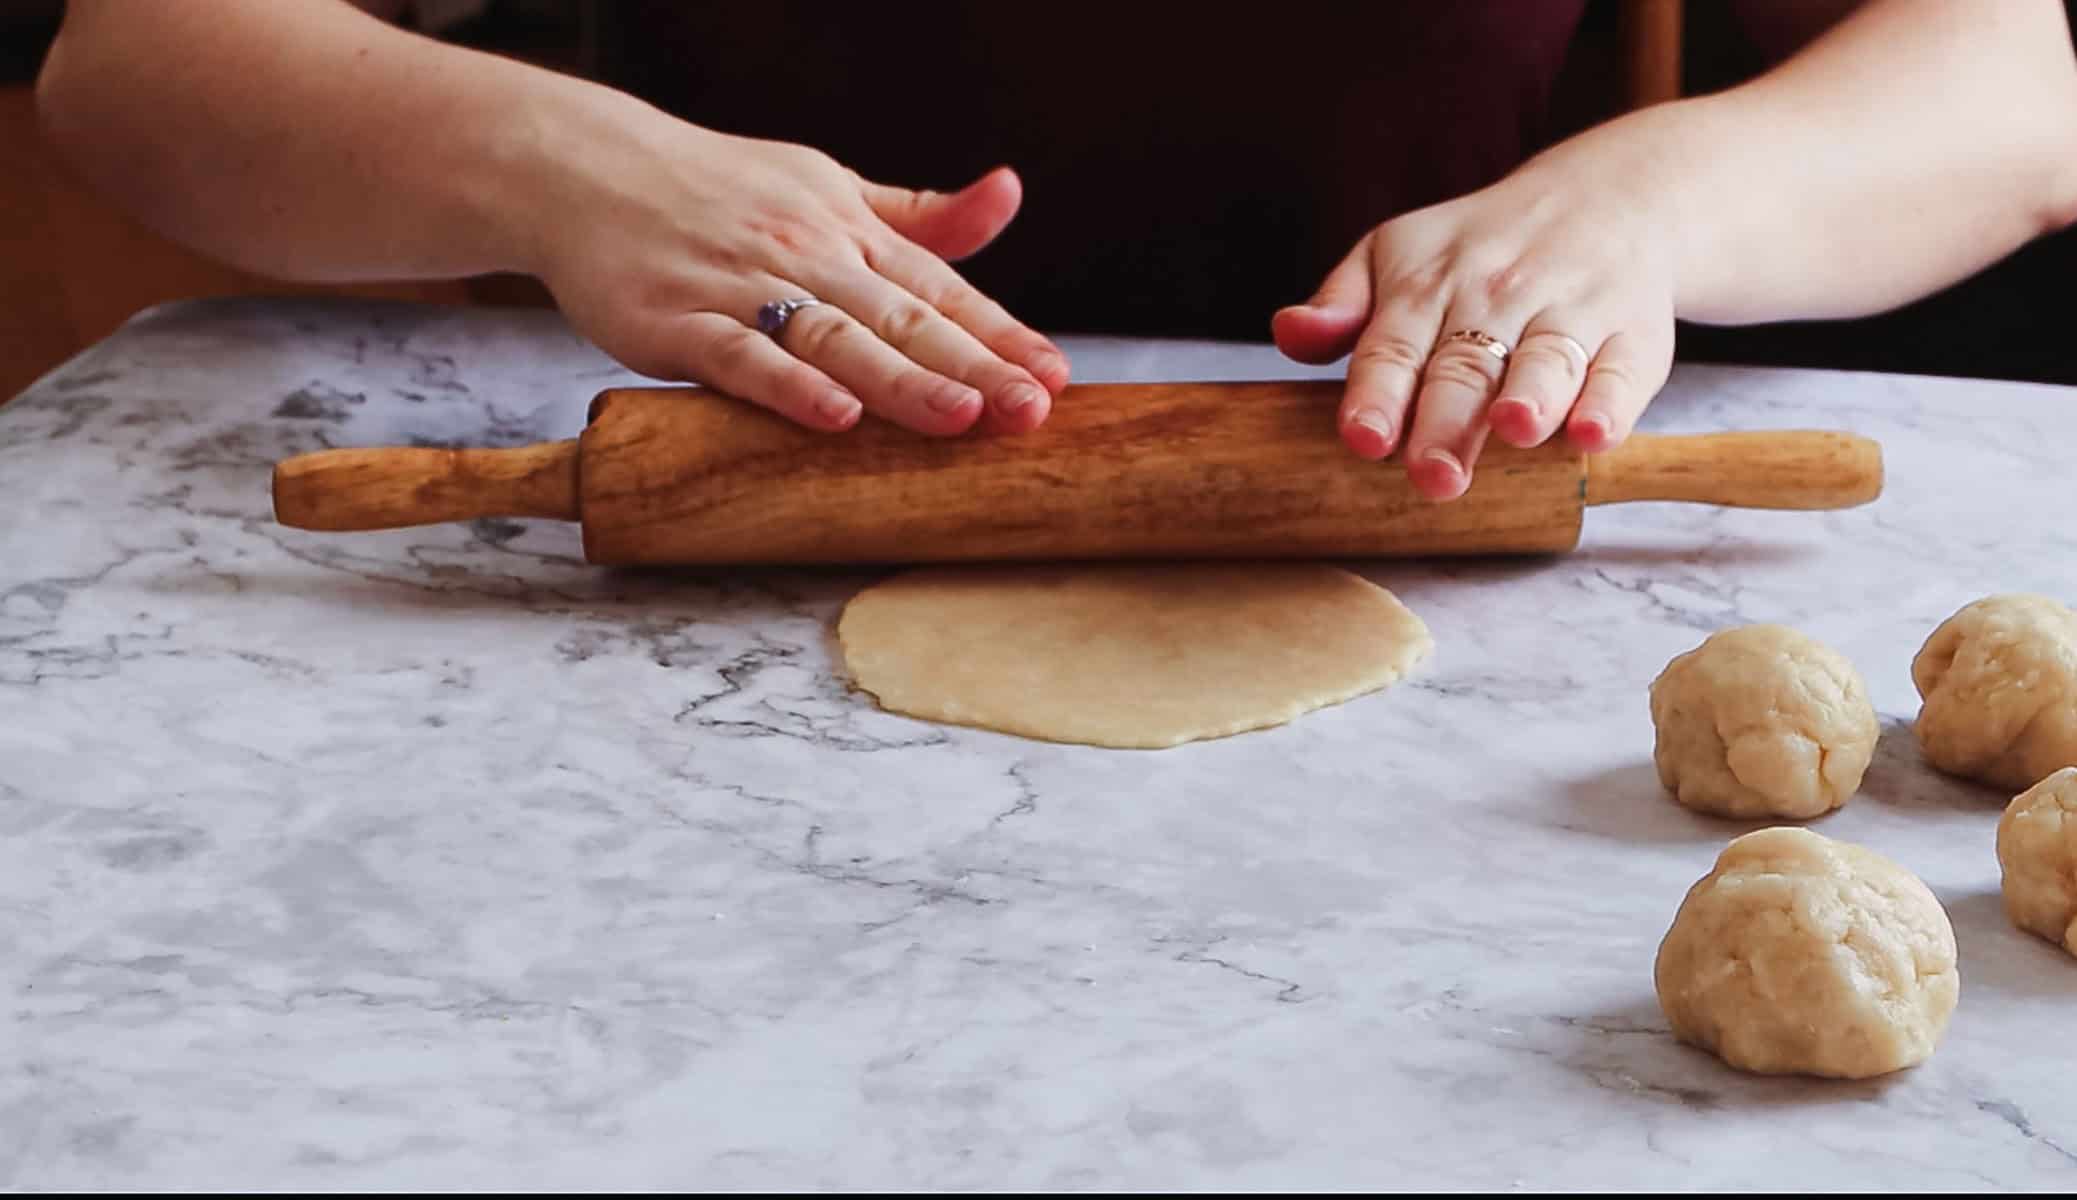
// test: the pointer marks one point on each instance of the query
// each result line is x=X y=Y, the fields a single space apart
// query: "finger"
x=955 y=225
x=1544 y=375
x=927 y=277
x=1016 y=400
x=888 y=383
x=1629 y=370
x=729 y=356
x=1327 y=326
x=1449 y=422
x=1384 y=371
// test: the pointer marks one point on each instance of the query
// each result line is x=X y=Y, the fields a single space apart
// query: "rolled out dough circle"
x=1132 y=657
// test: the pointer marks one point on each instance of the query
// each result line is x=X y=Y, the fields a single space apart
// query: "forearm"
x=306 y=140
x=1914 y=144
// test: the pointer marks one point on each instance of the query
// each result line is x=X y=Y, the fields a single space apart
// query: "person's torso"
x=1186 y=171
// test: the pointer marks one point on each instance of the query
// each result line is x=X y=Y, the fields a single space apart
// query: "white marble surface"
x=438 y=859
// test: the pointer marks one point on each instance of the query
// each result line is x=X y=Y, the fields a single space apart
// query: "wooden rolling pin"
x=1196 y=470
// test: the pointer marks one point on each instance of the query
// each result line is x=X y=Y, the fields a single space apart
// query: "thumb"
x=955 y=225
x=1326 y=327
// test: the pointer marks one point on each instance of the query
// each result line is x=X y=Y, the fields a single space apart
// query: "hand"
x=1567 y=273
x=674 y=236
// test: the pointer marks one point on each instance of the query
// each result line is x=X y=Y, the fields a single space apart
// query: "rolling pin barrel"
x=1122 y=471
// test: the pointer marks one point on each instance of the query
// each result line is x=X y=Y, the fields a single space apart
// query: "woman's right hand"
x=665 y=239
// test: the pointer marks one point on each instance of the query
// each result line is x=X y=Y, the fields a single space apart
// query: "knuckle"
x=1424 y=287
x=941 y=294
x=660 y=291
x=792 y=236
x=732 y=351
x=905 y=322
x=1613 y=373
x=1502 y=286
x=883 y=255
x=874 y=251
x=1388 y=352
x=735 y=255
x=807 y=159
x=1459 y=369
x=1542 y=359
x=823 y=335
x=915 y=268
x=975 y=310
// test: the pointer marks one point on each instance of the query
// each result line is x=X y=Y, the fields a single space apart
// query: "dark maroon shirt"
x=1188 y=169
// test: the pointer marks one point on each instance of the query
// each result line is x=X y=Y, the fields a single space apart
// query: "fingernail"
x=1595 y=427
x=1442 y=460
x=838 y=408
x=1378 y=426
x=952 y=399
x=1446 y=478
x=1019 y=398
x=1047 y=362
x=1514 y=419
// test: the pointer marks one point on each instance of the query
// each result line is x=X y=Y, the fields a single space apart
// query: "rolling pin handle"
x=356 y=490
x=1794 y=469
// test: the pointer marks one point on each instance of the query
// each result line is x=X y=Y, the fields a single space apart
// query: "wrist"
x=1660 y=168
x=550 y=151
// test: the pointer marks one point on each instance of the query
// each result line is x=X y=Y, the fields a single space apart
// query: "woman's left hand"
x=1570 y=278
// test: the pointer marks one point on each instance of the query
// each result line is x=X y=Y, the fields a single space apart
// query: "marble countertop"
x=437 y=859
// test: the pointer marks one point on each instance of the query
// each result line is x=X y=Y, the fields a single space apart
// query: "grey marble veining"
x=439 y=859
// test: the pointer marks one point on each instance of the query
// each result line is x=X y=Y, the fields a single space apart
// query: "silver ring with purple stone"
x=772 y=318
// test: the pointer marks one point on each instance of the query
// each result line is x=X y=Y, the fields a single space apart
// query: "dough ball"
x=1999 y=680
x=1762 y=722
x=2037 y=852
x=1137 y=656
x=1801 y=955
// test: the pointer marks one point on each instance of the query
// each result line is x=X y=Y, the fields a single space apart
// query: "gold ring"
x=1483 y=340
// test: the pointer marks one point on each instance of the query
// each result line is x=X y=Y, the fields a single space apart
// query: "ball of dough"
x=1762 y=722
x=1999 y=680
x=2037 y=853
x=1801 y=955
